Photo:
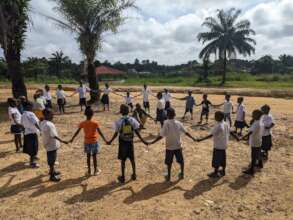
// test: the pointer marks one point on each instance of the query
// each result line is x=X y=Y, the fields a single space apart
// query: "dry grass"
x=27 y=194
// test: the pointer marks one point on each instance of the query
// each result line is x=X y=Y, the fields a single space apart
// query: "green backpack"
x=126 y=130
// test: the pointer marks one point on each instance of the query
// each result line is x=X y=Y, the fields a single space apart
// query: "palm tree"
x=13 y=26
x=89 y=19
x=58 y=60
x=226 y=37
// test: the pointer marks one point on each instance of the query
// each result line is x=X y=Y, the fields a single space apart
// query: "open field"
x=27 y=194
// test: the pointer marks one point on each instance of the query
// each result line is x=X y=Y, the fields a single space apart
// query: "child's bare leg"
x=95 y=163
x=207 y=118
x=17 y=138
x=89 y=163
x=122 y=177
x=168 y=177
x=181 y=174
x=133 y=169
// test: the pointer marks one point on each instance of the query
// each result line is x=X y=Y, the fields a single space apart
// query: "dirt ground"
x=27 y=194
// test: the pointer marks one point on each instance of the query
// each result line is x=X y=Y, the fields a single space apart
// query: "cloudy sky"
x=166 y=30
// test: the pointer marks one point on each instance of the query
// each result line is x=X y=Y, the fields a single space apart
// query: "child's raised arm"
x=75 y=134
x=102 y=135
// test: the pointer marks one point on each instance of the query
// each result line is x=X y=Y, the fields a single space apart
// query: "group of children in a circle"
x=30 y=118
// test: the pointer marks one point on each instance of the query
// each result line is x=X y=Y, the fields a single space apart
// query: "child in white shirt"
x=51 y=143
x=48 y=97
x=228 y=109
x=172 y=130
x=146 y=92
x=30 y=122
x=220 y=133
x=61 y=99
x=161 y=113
x=15 y=118
x=268 y=123
x=255 y=142
x=240 y=122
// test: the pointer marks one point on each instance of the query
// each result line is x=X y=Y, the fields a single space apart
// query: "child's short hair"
x=11 y=102
x=189 y=92
x=205 y=96
x=47 y=87
x=240 y=99
x=228 y=96
x=219 y=116
x=89 y=111
x=138 y=105
x=159 y=95
x=124 y=109
x=171 y=112
x=256 y=114
x=265 y=108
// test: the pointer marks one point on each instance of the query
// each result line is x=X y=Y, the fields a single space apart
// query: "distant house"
x=109 y=73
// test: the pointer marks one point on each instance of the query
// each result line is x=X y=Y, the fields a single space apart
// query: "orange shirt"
x=90 y=131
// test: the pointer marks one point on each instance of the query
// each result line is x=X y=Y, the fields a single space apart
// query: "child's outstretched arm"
x=113 y=138
x=139 y=136
x=157 y=139
x=205 y=138
x=190 y=136
x=75 y=134
x=102 y=135
x=62 y=141
x=234 y=136
x=246 y=136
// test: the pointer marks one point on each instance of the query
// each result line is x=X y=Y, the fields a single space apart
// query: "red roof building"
x=108 y=71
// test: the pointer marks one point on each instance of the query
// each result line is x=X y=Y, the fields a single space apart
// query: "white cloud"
x=166 y=30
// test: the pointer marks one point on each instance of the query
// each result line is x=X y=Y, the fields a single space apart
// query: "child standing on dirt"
x=255 y=142
x=167 y=97
x=146 y=92
x=190 y=103
x=16 y=127
x=205 y=108
x=268 y=123
x=240 y=122
x=126 y=127
x=61 y=99
x=105 y=97
x=161 y=112
x=172 y=130
x=30 y=122
x=48 y=97
x=92 y=147
x=228 y=109
x=82 y=90
x=220 y=133
x=51 y=143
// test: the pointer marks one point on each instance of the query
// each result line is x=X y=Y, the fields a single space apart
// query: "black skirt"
x=161 y=115
x=16 y=129
x=82 y=101
x=49 y=104
x=267 y=143
x=61 y=101
x=31 y=144
x=219 y=158
x=105 y=99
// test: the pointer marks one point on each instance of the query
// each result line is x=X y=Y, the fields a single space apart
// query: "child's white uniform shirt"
x=161 y=104
x=60 y=94
x=221 y=134
x=255 y=138
x=107 y=91
x=240 y=112
x=28 y=121
x=267 y=121
x=146 y=93
x=228 y=106
x=17 y=116
x=167 y=97
x=172 y=130
x=47 y=95
x=82 y=91
x=128 y=99
x=49 y=131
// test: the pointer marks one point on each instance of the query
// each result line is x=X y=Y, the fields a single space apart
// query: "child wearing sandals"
x=220 y=134
x=91 y=130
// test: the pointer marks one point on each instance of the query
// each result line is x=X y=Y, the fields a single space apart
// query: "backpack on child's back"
x=126 y=131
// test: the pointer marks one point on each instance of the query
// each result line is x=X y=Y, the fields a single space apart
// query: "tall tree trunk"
x=224 y=68
x=15 y=72
x=93 y=83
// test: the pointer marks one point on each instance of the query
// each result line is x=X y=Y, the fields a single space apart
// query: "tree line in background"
x=61 y=67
